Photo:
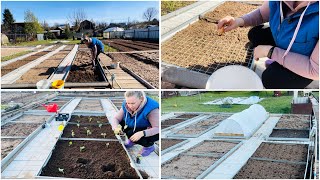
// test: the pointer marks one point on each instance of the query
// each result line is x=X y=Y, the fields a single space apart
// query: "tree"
x=68 y=32
x=76 y=18
x=7 y=22
x=45 y=25
x=150 y=13
x=32 y=26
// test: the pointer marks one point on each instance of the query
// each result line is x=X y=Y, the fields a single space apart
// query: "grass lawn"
x=170 y=6
x=6 y=58
x=109 y=49
x=43 y=42
x=194 y=103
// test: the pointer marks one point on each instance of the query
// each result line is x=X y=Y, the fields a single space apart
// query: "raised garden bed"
x=171 y=122
x=289 y=133
x=89 y=105
x=188 y=116
x=294 y=122
x=7 y=145
x=18 y=129
x=81 y=69
x=99 y=160
x=257 y=169
x=82 y=131
x=86 y=119
x=32 y=118
x=212 y=120
x=288 y=152
x=198 y=160
x=59 y=103
x=166 y=143
x=276 y=161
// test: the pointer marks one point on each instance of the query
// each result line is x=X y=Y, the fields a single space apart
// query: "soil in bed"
x=166 y=143
x=95 y=130
x=97 y=161
x=86 y=119
x=199 y=47
x=289 y=133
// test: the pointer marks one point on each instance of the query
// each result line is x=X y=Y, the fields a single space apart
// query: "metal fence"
x=146 y=33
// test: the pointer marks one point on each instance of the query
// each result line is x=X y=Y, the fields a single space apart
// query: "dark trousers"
x=275 y=76
x=143 y=141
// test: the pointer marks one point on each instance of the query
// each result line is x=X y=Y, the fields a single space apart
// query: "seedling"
x=82 y=148
x=107 y=144
x=88 y=132
x=70 y=143
x=138 y=159
x=78 y=125
x=100 y=125
x=61 y=170
x=90 y=119
x=72 y=133
x=104 y=134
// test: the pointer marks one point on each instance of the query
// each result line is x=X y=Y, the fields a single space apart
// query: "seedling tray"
x=210 y=160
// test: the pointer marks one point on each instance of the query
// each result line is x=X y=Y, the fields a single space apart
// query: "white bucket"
x=234 y=77
x=43 y=84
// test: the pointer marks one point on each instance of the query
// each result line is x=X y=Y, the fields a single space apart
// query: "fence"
x=16 y=38
x=151 y=33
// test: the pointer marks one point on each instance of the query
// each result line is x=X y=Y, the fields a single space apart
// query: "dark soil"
x=290 y=133
x=188 y=116
x=81 y=69
x=85 y=119
x=171 y=122
x=294 y=122
x=256 y=169
x=7 y=145
x=81 y=132
x=192 y=130
x=166 y=143
x=129 y=45
x=200 y=47
x=18 y=129
x=97 y=161
x=289 y=152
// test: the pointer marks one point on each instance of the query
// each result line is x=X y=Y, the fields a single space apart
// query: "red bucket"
x=51 y=107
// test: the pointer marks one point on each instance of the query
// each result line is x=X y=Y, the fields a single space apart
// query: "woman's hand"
x=261 y=51
x=137 y=136
x=230 y=23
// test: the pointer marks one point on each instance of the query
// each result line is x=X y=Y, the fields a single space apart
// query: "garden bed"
x=59 y=103
x=18 y=129
x=289 y=133
x=99 y=160
x=7 y=145
x=86 y=119
x=32 y=118
x=188 y=116
x=82 y=131
x=166 y=143
x=89 y=105
x=81 y=69
x=294 y=122
x=199 y=47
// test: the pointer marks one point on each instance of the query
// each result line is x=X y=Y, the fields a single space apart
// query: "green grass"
x=194 y=103
x=170 y=6
x=6 y=58
x=109 y=49
x=33 y=43
x=4 y=106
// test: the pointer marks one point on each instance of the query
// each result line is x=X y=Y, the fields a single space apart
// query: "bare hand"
x=230 y=23
x=137 y=136
x=261 y=51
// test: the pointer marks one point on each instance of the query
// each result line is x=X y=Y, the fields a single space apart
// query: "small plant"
x=61 y=170
x=104 y=135
x=78 y=125
x=107 y=144
x=82 y=148
x=90 y=119
x=88 y=132
x=100 y=125
x=70 y=143
x=72 y=133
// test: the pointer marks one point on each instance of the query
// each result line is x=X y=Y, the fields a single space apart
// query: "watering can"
x=51 y=107
x=57 y=84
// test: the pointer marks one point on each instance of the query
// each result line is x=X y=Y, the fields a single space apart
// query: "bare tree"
x=150 y=13
x=76 y=17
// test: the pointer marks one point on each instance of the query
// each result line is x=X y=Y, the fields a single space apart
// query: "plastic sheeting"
x=244 y=123
x=235 y=100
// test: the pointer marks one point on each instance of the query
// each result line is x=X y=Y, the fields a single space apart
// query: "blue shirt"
x=98 y=43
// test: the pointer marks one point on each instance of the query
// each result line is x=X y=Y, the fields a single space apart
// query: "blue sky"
x=58 y=11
